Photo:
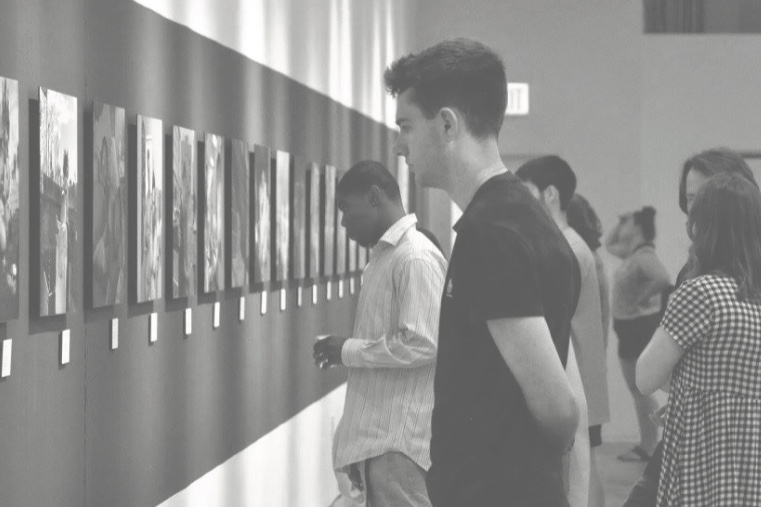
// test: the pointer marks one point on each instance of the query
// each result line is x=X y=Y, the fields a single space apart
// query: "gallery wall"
x=138 y=424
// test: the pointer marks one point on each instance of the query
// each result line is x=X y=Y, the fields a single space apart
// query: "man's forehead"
x=405 y=102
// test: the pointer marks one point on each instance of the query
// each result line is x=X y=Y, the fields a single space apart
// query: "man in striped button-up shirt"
x=382 y=441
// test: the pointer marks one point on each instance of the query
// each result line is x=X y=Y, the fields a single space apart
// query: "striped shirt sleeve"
x=418 y=284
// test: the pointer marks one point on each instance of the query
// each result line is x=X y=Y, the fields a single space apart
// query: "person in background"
x=551 y=180
x=505 y=412
x=638 y=285
x=584 y=220
x=382 y=442
x=696 y=170
x=707 y=353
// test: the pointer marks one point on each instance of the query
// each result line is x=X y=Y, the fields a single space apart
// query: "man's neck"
x=481 y=163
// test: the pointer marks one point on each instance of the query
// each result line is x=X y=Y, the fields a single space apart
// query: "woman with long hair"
x=638 y=285
x=696 y=170
x=709 y=348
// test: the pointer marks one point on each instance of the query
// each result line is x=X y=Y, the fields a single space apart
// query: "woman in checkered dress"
x=709 y=344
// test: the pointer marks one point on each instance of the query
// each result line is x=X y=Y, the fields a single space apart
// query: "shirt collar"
x=394 y=233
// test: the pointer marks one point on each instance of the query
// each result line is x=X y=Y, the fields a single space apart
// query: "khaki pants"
x=388 y=480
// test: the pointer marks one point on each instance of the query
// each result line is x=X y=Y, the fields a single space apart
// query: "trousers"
x=389 y=480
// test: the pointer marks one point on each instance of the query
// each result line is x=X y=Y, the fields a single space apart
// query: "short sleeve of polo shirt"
x=688 y=316
x=497 y=273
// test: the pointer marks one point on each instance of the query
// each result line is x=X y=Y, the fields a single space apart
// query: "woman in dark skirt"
x=638 y=284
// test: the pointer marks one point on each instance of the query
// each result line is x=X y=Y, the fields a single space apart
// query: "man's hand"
x=327 y=352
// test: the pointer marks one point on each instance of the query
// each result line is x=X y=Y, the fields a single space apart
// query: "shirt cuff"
x=351 y=353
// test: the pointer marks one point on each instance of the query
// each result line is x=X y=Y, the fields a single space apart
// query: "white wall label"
x=282 y=300
x=299 y=296
x=263 y=303
x=153 y=332
x=352 y=286
x=340 y=289
x=242 y=309
x=5 y=371
x=114 y=334
x=215 y=315
x=314 y=294
x=329 y=291
x=188 y=321
x=65 y=346
x=517 y=99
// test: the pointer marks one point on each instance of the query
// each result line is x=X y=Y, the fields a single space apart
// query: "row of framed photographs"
x=281 y=223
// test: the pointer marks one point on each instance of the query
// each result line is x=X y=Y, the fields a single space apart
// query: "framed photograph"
x=9 y=199
x=262 y=218
x=299 y=219
x=58 y=203
x=214 y=214
x=109 y=206
x=353 y=254
x=403 y=179
x=184 y=240
x=150 y=209
x=363 y=257
x=341 y=245
x=329 y=227
x=239 y=169
x=315 y=259
x=282 y=214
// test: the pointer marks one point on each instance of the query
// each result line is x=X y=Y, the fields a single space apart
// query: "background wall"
x=625 y=109
x=138 y=425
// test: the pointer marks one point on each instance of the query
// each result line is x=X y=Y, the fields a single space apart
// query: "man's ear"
x=450 y=122
x=551 y=193
x=374 y=195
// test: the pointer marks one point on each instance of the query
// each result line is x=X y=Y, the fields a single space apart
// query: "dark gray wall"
x=133 y=426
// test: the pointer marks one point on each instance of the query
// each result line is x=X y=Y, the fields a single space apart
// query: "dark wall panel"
x=133 y=426
x=42 y=404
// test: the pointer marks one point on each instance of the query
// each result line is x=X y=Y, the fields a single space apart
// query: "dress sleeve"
x=689 y=314
x=498 y=274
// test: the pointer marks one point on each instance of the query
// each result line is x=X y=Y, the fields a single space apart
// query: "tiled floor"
x=618 y=477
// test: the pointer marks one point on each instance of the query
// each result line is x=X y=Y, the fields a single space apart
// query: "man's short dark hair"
x=364 y=175
x=550 y=170
x=460 y=73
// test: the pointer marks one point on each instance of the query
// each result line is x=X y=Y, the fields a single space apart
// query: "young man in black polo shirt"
x=504 y=410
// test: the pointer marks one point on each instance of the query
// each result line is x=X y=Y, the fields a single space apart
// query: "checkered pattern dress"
x=712 y=451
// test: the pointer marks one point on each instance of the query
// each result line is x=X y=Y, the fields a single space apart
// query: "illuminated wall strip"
x=290 y=466
x=339 y=48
